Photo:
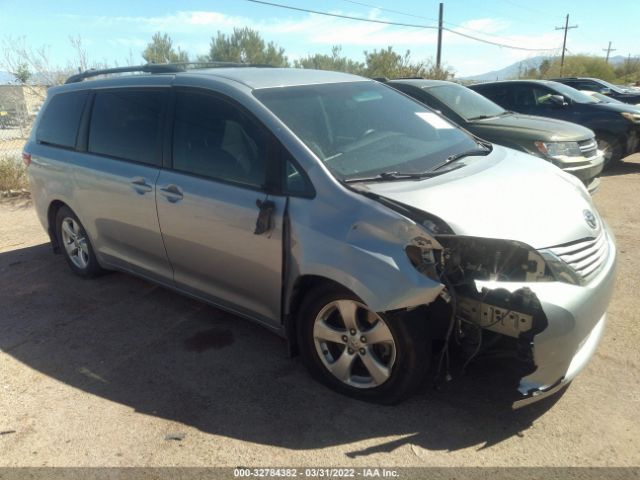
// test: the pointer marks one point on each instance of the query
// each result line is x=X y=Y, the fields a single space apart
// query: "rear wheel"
x=611 y=148
x=75 y=244
x=367 y=355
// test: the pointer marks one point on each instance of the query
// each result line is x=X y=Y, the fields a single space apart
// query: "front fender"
x=361 y=250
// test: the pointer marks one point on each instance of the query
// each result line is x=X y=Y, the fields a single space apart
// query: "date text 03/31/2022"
x=315 y=472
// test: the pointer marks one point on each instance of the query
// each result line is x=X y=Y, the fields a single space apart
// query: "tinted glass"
x=571 y=93
x=610 y=86
x=213 y=138
x=61 y=119
x=500 y=94
x=466 y=103
x=364 y=128
x=127 y=125
x=295 y=182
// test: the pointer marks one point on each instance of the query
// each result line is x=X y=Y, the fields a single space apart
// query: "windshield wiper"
x=390 y=176
x=482 y=117
x=486 y=150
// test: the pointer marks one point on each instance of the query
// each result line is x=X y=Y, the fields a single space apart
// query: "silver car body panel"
x=340 y=234
x=483 y=200
x=209 y=240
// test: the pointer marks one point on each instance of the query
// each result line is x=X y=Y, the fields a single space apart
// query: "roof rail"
x=158 y=68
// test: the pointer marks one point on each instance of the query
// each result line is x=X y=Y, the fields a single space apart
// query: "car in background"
x=567 y=145
x=624 y=95
x=605 y=99
x=617 y=126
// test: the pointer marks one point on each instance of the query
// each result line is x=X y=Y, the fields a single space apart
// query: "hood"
x=614 y=107
x=627 y=97
x=529 y=127
x=507 y=195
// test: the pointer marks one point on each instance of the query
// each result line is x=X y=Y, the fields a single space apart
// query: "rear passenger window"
x=213 y=138
x=127 y=125
x=61 y=119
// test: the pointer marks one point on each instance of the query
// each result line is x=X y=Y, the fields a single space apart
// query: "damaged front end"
x=547 y=311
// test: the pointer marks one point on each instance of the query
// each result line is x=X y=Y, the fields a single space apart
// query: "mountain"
x=5 y=78
x=514 y=70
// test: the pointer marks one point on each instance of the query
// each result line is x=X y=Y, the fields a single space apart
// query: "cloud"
x=310 y=33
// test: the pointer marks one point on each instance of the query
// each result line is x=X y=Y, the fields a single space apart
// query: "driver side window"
x=214 y=138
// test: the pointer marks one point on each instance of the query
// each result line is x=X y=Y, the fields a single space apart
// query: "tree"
x=160 y=50
x=544 y=67
x=22 y=73
x=629 y=70
x=581 y=66
x=390 y=64
x=387 y=63
x=21 y=59
x=246 y=45
x=335 y=62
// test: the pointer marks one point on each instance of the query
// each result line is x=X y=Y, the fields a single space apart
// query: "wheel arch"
x=52 y=212
x=301 y=287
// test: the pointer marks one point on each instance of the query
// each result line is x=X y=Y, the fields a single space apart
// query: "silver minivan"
x=362 y=226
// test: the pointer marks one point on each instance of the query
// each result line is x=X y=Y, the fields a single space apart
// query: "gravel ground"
x=118 y=372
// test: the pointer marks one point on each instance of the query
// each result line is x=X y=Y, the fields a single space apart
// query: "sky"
x=118 y=31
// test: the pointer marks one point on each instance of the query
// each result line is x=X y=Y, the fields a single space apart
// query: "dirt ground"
x=118 y=372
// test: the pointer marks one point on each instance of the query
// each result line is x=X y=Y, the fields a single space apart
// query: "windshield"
x=570 y=92
x=602 y=98
x=465 y=102
x=613 y=87
x=364 y=128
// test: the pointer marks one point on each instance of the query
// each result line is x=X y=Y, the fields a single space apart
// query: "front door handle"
x=172 y=192
x=140 y=185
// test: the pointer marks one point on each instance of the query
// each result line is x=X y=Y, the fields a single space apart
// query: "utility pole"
x=439 y=52
x=564 y=42
x=608 y=50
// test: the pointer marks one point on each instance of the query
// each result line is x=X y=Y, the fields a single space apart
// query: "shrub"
x=13 y=175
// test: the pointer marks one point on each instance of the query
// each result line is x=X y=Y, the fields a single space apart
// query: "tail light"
x=26 y=158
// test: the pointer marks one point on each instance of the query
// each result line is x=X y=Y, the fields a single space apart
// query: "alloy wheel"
x=75 y=242
x=354 y=344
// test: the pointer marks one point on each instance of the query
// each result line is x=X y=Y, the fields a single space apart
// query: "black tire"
x=412 y=349
x=611 y=147
x=92 y=267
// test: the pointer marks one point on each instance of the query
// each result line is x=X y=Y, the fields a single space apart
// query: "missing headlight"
x=471 y=258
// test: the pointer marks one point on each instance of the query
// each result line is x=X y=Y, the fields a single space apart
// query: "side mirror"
x=605 y=91
x=558 y=101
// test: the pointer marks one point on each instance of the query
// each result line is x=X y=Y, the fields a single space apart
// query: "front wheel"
x=611 y=149
x=355 y=351
x=75 y=244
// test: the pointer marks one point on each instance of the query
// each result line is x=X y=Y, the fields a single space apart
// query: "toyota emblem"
x=590 y=218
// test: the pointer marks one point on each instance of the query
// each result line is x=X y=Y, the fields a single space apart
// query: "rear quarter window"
x=127 y=125
x=61 y=119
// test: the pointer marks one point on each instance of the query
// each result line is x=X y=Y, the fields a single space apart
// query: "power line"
x=398 y=12
x=399 y=24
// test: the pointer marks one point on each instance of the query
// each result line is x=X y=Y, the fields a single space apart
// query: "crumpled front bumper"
x=576 y=317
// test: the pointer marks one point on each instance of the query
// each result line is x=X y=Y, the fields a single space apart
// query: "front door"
x=209 y=203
